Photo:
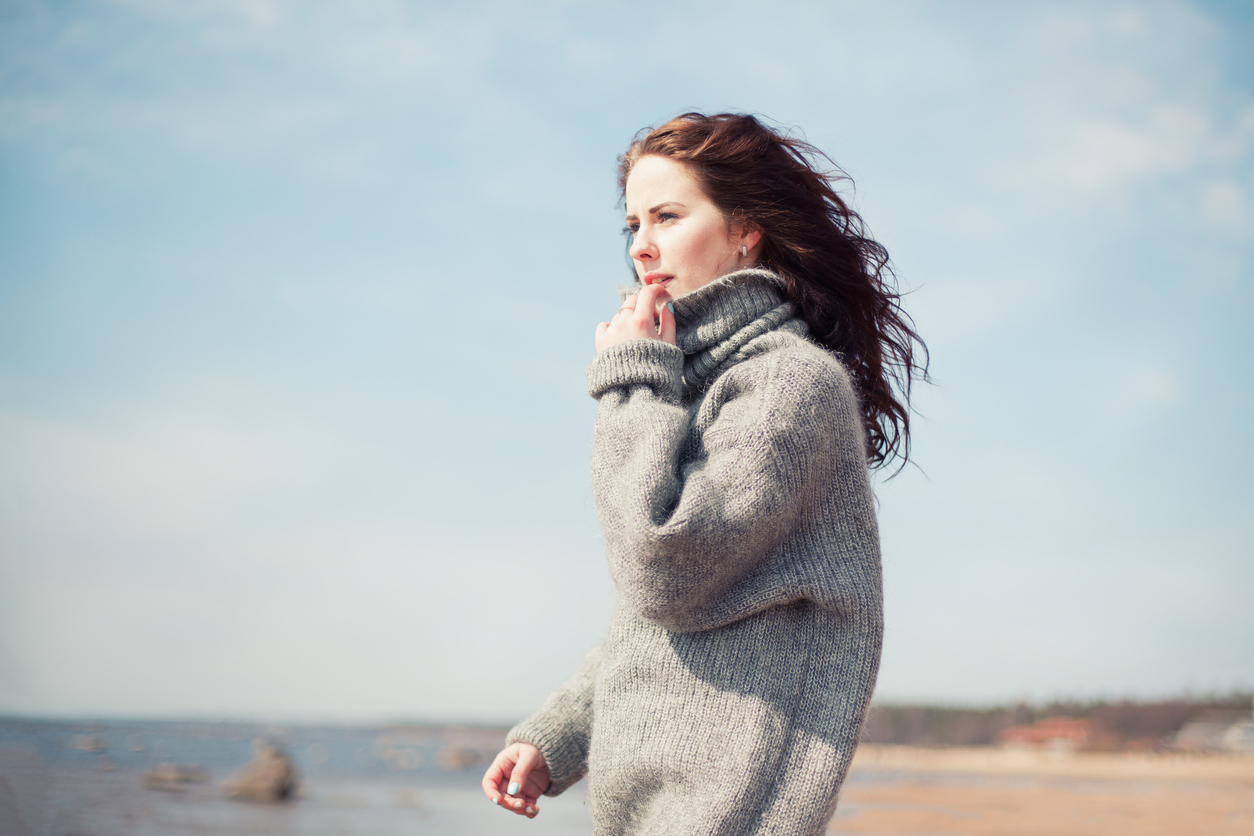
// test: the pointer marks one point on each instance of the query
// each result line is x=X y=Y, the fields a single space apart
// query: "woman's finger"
x=666 y=323
x=637 y=319
x=499 y=786
x=650 y=300
x=495 y=776
x=518 y=777
x=649 y=305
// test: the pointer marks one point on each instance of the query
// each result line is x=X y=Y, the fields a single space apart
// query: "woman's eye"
x=666 y=216
x=631 y=229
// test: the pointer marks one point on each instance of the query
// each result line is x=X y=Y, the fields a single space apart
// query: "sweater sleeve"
x=691 y=504
x=562 y=728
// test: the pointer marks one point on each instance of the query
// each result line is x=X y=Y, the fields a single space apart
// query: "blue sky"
x=296 y=300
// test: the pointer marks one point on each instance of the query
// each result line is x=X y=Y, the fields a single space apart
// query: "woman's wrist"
x=653 y=363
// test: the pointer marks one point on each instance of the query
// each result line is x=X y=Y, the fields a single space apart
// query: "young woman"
x=763 y=363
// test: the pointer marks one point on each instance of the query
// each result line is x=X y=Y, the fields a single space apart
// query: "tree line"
x=1122 y=724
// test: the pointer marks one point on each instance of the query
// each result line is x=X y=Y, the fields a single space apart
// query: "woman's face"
x=679 y=237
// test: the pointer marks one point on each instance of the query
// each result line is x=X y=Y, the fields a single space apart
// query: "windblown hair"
x=837 y=275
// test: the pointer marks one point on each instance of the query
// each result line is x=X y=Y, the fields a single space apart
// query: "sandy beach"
x=991 y=792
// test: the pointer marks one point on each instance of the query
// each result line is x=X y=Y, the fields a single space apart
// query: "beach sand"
x=989 y=792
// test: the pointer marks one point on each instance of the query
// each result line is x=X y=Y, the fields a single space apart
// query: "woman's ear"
x=750 y=236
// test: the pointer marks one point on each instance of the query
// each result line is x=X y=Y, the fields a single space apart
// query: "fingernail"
x=671 y=305
x=517 y=805
x=531 y=810
x=493 y=800
x=513 y=788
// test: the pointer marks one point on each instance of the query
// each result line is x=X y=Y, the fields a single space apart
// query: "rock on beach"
x=173 y=777
x=269 y=776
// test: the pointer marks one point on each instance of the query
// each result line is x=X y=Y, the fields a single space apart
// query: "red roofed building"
x=1055 y=734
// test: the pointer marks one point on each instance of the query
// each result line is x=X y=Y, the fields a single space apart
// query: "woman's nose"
x=642 y=247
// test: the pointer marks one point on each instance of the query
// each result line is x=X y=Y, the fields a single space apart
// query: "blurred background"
x=296 y=300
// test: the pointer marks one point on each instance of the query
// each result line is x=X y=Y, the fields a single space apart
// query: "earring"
x=744 y=251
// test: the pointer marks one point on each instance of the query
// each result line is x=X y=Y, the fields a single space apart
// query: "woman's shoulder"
x=789 y=358
x=789 y=384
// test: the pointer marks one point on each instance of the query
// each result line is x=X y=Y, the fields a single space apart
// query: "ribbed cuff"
x=652 y=363
x=563 y=752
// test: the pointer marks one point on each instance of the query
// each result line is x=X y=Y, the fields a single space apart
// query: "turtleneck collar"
x=715 y=322
x=712 y=313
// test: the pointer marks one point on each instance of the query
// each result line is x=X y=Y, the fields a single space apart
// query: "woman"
x=743 y=391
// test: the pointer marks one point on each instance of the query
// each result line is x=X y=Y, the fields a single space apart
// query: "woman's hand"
x=517 y=778
x=635 y=320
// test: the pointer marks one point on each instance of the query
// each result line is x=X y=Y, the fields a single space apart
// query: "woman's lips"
x=657 y=278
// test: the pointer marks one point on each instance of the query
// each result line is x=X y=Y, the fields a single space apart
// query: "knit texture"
x=731 y=483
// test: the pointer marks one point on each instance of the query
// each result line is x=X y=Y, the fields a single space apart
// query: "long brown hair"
x=837 y=275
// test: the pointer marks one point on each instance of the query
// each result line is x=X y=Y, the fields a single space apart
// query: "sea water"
x=60 y=778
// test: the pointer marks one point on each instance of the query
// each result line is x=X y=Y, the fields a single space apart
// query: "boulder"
x=269 y=776
x=173 y=777
x=461 y=757
x=89 y=743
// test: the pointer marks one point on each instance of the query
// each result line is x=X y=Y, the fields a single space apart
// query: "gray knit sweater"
x=731 y=483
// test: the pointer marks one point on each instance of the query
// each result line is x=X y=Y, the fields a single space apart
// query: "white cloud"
x=1233 y=146
x=1157 y=386
x=1140 y=390
x=252 y=13
x=1227 y=208
x=249 y=76
x=154 y=473
x=967 y=308
x=1103 y=155
x=1117 y=105
x=1128 y=21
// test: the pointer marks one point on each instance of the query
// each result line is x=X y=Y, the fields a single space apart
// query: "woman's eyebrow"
x=660 y=207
